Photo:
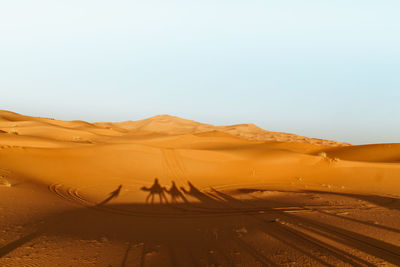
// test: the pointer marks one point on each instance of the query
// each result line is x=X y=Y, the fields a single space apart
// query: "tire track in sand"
x=173 y=165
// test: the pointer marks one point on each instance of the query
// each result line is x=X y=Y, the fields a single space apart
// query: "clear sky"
x=319 y=68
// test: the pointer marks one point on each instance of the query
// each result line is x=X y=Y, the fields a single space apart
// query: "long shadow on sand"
x=383 y=201
x=210 y=231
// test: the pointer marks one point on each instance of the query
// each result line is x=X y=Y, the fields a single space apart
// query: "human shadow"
x=155 y=189
x=113 y=194
x=223 y=224
x=135 y=224
x=19 y=242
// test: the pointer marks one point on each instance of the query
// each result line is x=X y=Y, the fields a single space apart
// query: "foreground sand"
x=258 y=198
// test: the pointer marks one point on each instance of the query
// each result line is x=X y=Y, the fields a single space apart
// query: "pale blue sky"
x=322 y=68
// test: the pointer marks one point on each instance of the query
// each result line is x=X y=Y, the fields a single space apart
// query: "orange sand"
x=59 y=170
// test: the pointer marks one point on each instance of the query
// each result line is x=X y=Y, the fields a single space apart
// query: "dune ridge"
x=173 y=148
x=75 y=193
x=74 y=130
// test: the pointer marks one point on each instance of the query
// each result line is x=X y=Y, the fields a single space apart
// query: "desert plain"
x=74 y=193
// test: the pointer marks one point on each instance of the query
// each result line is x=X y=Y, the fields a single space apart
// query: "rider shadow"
x=200 y=230
x=155 y=189
x=113 y=194
x=177 y=195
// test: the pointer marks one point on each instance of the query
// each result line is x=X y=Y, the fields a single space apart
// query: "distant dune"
x=83 y=131
x=174 y=148
x=372 y=153
x=74 y=193
x=174 y=125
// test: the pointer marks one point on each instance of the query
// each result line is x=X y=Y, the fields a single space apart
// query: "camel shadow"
x=155 y=189
x=218 y=222
x=176 y=194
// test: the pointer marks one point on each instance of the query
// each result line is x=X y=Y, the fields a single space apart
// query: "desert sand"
x=74 y=193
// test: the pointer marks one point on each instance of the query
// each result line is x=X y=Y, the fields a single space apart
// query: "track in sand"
x=251 y=228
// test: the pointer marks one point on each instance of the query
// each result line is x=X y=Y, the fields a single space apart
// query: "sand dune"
x=74 y=130
x=130 y=149
x=373 y=153
x=174 y=125
x=309 y=201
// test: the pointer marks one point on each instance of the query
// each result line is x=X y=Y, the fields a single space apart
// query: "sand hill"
x=174 y=125
x=73 y=193
x=79 y=130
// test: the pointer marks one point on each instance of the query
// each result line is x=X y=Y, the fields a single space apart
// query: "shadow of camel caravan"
x=155 y=189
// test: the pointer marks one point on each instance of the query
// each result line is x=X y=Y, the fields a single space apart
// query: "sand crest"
x=74 y=193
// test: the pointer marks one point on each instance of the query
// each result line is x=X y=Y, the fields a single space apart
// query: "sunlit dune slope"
x=67 y=131
x=135 y=165
x=103 y=155
x=174 y=125
x=80 y=131
x=373 y=153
